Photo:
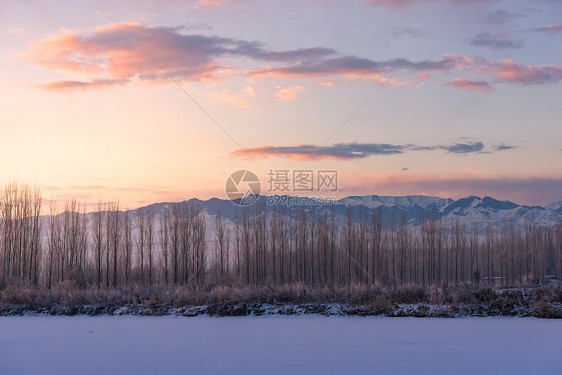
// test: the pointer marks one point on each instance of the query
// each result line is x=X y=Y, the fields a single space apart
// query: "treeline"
x=180 y=246
x=318 y=249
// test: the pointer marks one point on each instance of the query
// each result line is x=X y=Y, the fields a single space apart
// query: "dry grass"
x=543 y=301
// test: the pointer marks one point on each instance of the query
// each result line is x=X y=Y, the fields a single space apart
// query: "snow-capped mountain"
x=404 y=202
x=470 y=210
x=556 y=207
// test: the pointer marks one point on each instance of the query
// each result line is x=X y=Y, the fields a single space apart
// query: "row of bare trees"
x=20 y=254
x=112 y=248
x=183 y=245
x=262 y=245
x=320 y=249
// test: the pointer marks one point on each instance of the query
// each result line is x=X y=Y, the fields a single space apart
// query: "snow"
x=278 y=345
x=556 y=206
x=404 y=202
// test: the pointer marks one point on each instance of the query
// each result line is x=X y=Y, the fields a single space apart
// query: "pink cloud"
x=234 y=99
x=201 y=4
x=289 y=94
x=131 y=50
x=80 y=85
x=124 y=51
x=392 y=3
x=510 y=71
x=551 y=29
x=462 y=83
x=214 y=3
x=266 y=151
x=18 y=32
x=299 y=153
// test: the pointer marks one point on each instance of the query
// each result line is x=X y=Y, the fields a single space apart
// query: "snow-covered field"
x=278 y=345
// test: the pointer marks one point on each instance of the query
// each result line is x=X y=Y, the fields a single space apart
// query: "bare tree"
x=127 y=246
x=222 y=246
x=54 y=247
x=98 y=240
x=149 y=237
x=113 y=241
x=141 y=221
x=164 y=237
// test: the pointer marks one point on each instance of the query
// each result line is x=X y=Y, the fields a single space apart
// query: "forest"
x=111 y=248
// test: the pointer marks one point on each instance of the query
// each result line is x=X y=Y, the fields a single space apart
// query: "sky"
x=149 y=101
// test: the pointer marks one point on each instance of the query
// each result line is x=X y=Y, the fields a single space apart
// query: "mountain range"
x=471 y=210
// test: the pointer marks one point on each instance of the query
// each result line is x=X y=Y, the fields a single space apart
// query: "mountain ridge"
x=471 y=210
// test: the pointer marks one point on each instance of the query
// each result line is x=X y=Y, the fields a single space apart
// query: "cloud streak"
x=354 y=151
x=512 y=72
x=289 y=94
x=400 y=32
x=500 y=17
x=340 y=151
x=234 y=99
x=551 y=29
x=503 y=147
x=361 y=67
x=464 y=148
x=495 y=41
x=461 y=83
x=81 y=85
